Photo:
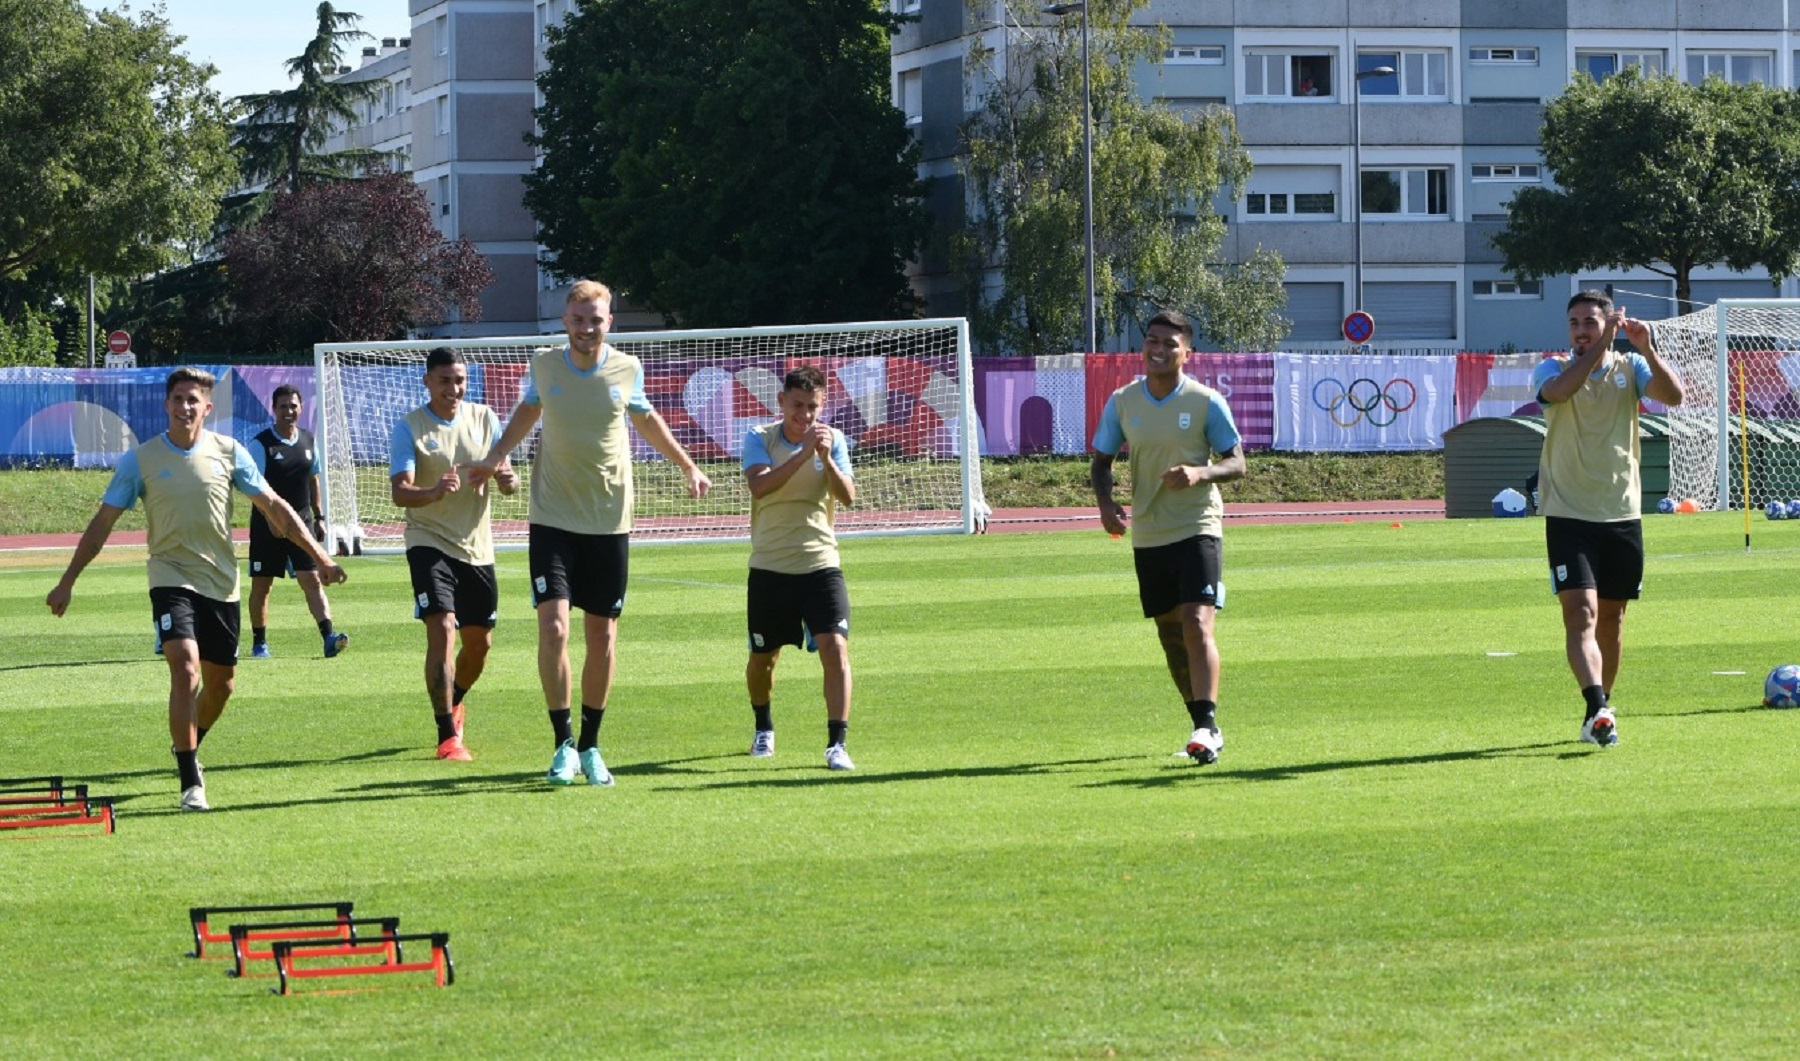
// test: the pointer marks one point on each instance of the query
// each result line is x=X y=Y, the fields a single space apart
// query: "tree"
x=350 y=260
x=729 y=163
x=1655 y=173
x=1156 y=177
x=282 y=131
x=113 y=150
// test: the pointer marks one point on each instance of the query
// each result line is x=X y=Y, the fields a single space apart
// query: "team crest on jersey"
x=278 y=455
x=617 y=394
x=818 y=464
x=1135 y=421
x=165 y=474
x=431 y=444
x=1184 y=421
x=1619 y=381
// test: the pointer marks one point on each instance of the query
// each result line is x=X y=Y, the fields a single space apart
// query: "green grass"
x=1402 y=853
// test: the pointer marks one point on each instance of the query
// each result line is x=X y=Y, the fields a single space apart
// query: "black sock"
x=446 y=724
x=1201 y=711
x=590 y=727
x=259 y=635
x=1596 y=699
x=763 y=719
x=834 y=732
x=325 y=629
x=189 y=769
x=199 y=736
x=457 y=693
x=559 y=721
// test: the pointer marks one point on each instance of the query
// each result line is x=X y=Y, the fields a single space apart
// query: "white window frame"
x=443 y=190
x=1286 y=210
x=1524 y=55
x=1194 y=55
x=909 y=92
x=1507 y=289
x=441 y=29
x=1430 y=173
x=1727 y=58
x=443 y=115
x=1624 y=57
x=1282 y=61
x=1507 y=172
x=1412 y=74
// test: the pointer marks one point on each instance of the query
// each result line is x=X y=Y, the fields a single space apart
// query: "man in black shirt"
x=290 y=460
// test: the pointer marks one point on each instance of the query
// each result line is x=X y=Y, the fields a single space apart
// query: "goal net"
x=900 y=391
x=1739 y=360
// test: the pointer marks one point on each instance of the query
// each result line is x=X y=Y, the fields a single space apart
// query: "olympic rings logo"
x=1364 y=399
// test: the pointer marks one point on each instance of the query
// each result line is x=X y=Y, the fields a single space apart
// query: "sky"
x=250 y=40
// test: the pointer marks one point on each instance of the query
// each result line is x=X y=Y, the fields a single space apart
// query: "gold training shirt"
x=792 y=528
x=581 y=477
x=457 y=524
x=187 y=504
x=1588 y=469
x=1188 y=427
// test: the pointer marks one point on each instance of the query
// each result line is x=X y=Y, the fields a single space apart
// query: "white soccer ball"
x=1782 y=687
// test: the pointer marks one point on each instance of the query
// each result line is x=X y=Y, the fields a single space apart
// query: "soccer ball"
x=1793 y=508
x=1782 y=687
x=1666 y=505
x=1776 y=510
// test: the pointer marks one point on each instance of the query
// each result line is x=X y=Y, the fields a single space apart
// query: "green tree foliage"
x=349 y=260
x=1655 y=173
x=730 y=162
x=113 y=150
x=1157 y=174
x=279 y=139
x=28 y=340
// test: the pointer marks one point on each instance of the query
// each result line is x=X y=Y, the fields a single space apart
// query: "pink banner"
x=1246 y=381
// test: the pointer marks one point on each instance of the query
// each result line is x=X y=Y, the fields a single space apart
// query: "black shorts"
x=587 y=570
x=791 y=609
x=272 y=556
x=1607 y=558
x=442 y=583
x=183 y=615
x=1185 y=572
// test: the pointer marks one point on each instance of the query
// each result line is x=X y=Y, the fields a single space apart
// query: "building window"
x=443 y=196
x=443 y=115
x=912 y=96
x=1508 y=289
x=1195 y=54
x=1300 y=193
x=1602 y=65
x=1421 y=75
x=1406 y=192
x=440 y=32
x=1288 y=74
x=1279 y=204
x=1504 y=56
x=1517 y=172
x=907 y=7
x=1739 y=68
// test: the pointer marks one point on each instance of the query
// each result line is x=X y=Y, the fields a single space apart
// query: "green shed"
x=1488 y=454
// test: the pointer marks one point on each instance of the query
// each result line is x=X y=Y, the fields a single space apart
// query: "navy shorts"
x=442 y=583
x=587 y=570
x=792 y=609
x=1607 y=558
x=272 y=556
x=1185 y=572
x=183 y=615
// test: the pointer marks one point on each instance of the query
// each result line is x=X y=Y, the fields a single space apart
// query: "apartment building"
x=1441 y=144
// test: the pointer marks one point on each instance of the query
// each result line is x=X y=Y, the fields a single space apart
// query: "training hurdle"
x=200 y=918
x=288 y=952
x=346 y=936
x=40 y=802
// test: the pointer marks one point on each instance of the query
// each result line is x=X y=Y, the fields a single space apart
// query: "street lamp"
x=1087 y=158
x=1356 y=167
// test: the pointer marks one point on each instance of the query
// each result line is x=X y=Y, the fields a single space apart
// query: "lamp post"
x=1356 y=168
x=1087 y=161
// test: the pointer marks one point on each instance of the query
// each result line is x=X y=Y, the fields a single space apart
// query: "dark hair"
x=1598 y=298
x=1175 y=319
x=189 y=374
x=441 y=356
x=803 y=378
x=283 y=391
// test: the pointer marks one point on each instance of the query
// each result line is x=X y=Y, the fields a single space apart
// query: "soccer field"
x=1403 y=852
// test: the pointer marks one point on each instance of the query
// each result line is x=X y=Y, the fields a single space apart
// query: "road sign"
x=118 y=342
x=1359 y=327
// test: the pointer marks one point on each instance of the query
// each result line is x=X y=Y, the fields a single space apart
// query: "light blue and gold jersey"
x=457 y=524
x=792 y=529
x=1189 y=426
x=1588 y=469
x=581 y=478
x=187 y=505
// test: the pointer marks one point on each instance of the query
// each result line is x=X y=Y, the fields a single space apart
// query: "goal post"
x=1738 y=354
x=901 y=391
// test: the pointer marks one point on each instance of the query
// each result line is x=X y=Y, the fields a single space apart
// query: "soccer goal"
x=901 y=391
x=1739 y=361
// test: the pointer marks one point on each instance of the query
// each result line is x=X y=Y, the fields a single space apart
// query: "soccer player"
x=1183 y=443
x=449 y=537
x=185 y=477
x=798 y=471
x=1589 y=491
x=290 y=462
x=580 y=517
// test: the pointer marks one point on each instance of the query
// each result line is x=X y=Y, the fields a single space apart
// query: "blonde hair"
x=587 y=290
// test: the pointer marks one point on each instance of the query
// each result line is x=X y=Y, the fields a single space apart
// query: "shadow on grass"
x=1698 y=712
x=1186 y=773
x=75 y=664
x=381 y=791
x=816 y=774
x=226 y=768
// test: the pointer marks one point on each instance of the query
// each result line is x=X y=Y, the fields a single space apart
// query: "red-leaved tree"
x=343 y=261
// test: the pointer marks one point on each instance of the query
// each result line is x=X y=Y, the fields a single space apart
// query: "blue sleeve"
x=530 y=397
x=244 y=475
x=638 y=401
x=493 y=428
x=756 y=451
x=127 y=483
x=318 y=463
x=840 y=451
x=1221 y=430
x=1109 y=436
x=260 y=454
x=400 y=449
x=1548 y=369
x=1640 y=367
